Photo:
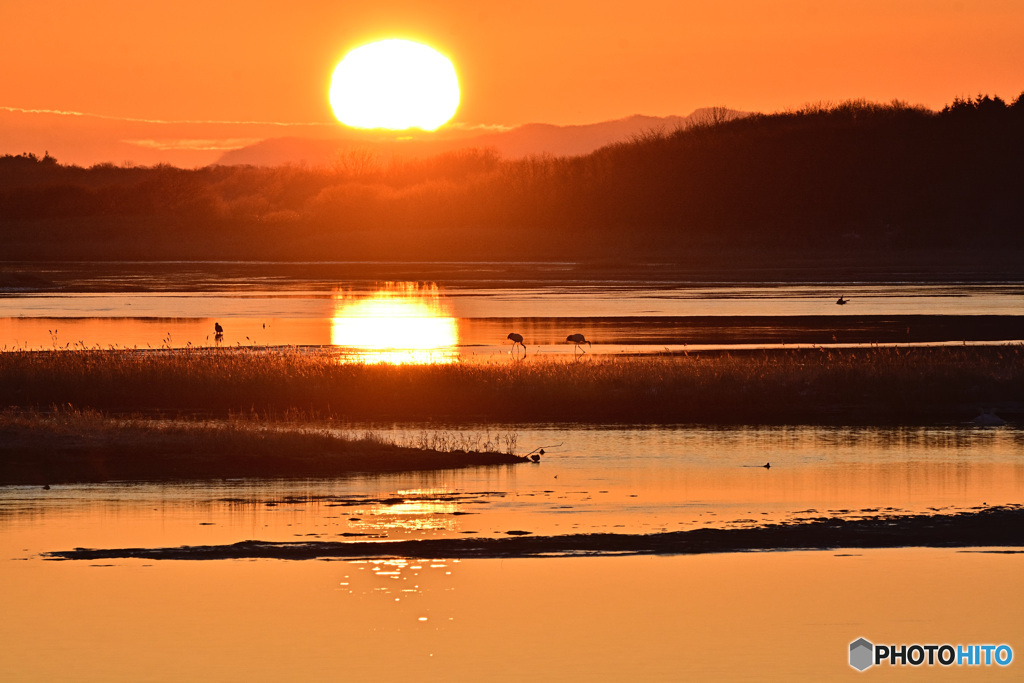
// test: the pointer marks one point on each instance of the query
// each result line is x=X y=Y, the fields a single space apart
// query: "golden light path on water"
x=400 y=323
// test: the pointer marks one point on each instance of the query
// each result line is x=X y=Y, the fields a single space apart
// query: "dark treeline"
x=855 y=177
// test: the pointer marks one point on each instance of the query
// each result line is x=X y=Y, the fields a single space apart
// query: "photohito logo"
x=864 y=654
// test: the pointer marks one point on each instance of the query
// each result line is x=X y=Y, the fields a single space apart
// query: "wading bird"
x=841 y=301
x=218 y=329
x=577 y=339
x=516 y=339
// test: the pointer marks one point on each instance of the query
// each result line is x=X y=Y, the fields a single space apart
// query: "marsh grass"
x=64 y=445
x=855 y=385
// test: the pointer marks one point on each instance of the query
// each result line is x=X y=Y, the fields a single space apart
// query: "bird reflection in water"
x=401 y=323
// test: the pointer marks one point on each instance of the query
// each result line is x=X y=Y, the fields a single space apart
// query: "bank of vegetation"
x=878 y=385
x=887 y=180
x=68 y=445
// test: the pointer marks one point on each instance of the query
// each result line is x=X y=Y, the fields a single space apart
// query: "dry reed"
x=879 y=384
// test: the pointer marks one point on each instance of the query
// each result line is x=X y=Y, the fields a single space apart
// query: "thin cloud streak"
x=203 y=145
x=106 y=117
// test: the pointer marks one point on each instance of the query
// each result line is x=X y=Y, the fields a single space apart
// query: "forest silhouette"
x=831 y=181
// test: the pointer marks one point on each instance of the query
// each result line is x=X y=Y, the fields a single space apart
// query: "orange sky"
x=535 y=61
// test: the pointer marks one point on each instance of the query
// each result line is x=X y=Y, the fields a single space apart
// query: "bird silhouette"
x=841 y=301
x=516 y=339
x=767 y=465
x=988 y=418
x=218 y=329
x=577 y=339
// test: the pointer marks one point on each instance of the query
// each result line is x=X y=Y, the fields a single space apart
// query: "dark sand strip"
x=990 y=527
x=789 y=329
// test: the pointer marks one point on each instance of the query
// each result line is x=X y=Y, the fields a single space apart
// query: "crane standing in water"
x=517 y=339
x=577 y=339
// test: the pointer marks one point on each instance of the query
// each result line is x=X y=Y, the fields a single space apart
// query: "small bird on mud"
x=577 y=339
x=517 y=339
x=841 y=301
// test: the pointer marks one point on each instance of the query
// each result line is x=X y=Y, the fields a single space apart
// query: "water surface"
x=465 y=311
x=752 y=616
x=610 y=618
x=590 y=479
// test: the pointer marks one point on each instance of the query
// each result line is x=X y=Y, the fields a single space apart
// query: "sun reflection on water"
x=421 y=510
x=400 y=323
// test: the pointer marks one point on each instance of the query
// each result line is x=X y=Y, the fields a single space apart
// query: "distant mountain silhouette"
x=525 y=140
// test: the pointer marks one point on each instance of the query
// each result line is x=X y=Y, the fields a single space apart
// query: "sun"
x=394 y=84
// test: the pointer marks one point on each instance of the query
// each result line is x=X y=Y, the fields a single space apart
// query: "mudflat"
x=993 y=527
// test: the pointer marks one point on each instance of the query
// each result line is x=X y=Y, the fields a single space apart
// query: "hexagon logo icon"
x=861 y=654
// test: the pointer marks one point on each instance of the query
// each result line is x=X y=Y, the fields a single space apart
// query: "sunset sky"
x=261 y=68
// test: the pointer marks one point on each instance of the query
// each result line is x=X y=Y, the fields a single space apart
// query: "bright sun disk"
x=394 y=84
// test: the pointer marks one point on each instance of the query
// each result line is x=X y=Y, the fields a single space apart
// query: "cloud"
x=479 y=127
x=209 y=145
x=106 y=117
x=20 y=110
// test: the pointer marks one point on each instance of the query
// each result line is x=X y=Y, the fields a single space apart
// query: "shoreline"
x=701 y=263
